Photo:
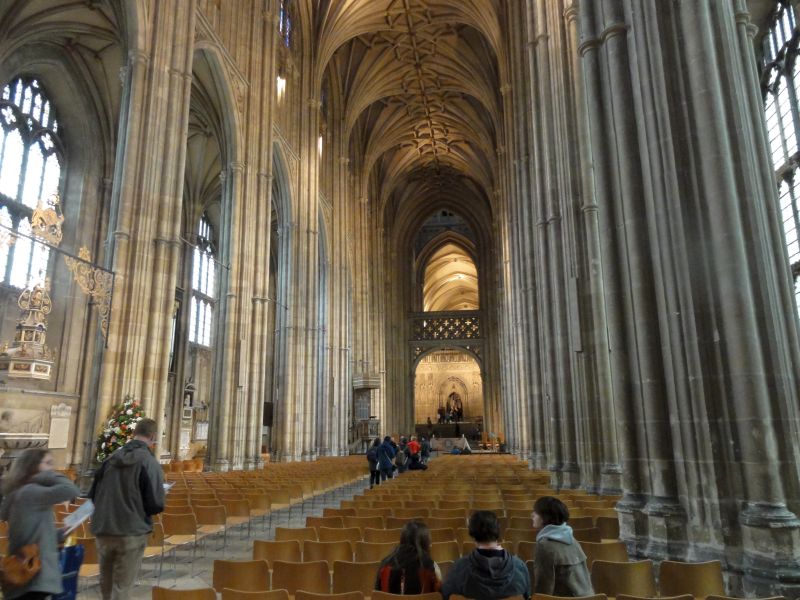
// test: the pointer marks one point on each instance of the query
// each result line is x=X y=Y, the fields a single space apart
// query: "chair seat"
x=210 y=529
x=237 y=520
x=179 y=540
x=89 y=571
x=153 y=551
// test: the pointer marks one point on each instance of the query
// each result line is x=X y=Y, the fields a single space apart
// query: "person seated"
x=489 y=572
x=409 y=569
x=560 y=565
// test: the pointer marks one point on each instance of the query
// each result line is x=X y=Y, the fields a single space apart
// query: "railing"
x=441 y=326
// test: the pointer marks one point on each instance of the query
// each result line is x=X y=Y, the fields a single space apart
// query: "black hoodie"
x=127 y=489
x=484 y=577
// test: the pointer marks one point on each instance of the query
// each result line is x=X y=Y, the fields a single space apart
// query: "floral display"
x=119 y=428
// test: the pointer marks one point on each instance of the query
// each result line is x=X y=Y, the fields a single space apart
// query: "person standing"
x=386 y=454
x=372 y=460
x=127 y=490
x=31 y=490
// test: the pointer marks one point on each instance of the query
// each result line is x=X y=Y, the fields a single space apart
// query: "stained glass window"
x=31 y=159
x=203 y=286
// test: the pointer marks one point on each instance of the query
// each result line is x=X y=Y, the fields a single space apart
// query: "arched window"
x=203 y=286
x=31 y=157
x=780 y=83
x=285 y=23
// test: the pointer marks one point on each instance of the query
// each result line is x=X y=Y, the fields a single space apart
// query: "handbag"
x=18 y=569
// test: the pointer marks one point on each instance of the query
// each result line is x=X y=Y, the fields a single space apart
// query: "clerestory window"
x=203 y=286
x=31 y=159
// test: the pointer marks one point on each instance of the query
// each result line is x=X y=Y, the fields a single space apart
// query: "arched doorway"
x=450 y=379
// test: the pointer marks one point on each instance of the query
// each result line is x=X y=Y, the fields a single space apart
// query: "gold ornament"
x=46 y=222
x=95 y=282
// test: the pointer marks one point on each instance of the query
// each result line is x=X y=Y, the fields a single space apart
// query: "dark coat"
x=560 y=569
x=488 y=577
x=385 y=456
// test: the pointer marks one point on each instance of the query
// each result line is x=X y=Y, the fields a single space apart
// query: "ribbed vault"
x=451 y=280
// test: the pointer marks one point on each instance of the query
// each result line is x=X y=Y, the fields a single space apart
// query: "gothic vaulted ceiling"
x=418 y=83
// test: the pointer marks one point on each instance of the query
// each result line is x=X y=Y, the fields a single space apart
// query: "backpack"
x=372 y=454
x=400 y=458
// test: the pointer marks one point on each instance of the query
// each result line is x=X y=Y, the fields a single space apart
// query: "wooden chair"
x=581 y=522
x=514 y=536
x=446 y=523
x=607 y=551
x=587 y=535
x=301 y=534
x=338 y=512
x=364 y=522
x=549 y=597
x=443 y=551
x=270 y=551
x=450 y=513
x=371 y=551
x=238 y=512
x=732 y=598
x=465 y=540
x=324 y=522
x=374 y=512
x=682 y=597
x=212 y=520
x=526 y=550
x=417 y=514
x=447 y=534
x=352 y=576
x=608 y=527
x=302 y=595
x=244 y=575
x=308 y=576
x=630 y=578
x=91 y=564
x=376 y=595
x=327 y=551
x=228 y=594
x=445 y=567
x=382 y=535
x=160 y=593
x=698 y=579
x=521 y=522
x=336 y=534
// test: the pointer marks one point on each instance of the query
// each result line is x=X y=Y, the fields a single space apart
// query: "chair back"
x=210 y=515
x=608 y=551
x=338 y=512
x=631 y=578
x=526 y=550
x=350 y=576
x=446 y=534
x=160 y=593
x=270 y=551
x=372 y=551
x=324 y=522
x=337 y=534
x=89 y=550
x=382 y=535
x=245 y=575
x=301 y=595
x=446 y=523
x=587 y=535
x=376 y=595
x=228 y=594
x=300 y=534
x=698 y=579
x=179 y=524
x=581 y=522
x=419 y=514
x=514 y=536
x=549 y=597
x=442 y=551
x=308 y=576
x=364 y=522
x=327 y=551
x=236 y=508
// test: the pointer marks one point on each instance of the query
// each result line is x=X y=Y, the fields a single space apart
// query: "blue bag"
x=71 y=559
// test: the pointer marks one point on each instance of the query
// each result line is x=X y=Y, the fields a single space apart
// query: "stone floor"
x=198 y=573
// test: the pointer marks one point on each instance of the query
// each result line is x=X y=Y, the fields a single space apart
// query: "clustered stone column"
x=656 y=229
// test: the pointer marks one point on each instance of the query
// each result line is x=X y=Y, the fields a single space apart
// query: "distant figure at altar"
x=454 y=402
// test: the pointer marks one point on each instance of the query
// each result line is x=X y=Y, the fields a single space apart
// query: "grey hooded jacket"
x=484 y=577
x=29 y=512
x=560 y=566
x=127 y=489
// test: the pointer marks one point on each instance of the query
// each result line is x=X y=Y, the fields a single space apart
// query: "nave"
x=324 y=511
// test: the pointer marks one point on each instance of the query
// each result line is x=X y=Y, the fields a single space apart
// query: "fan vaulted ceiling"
x=419 y=84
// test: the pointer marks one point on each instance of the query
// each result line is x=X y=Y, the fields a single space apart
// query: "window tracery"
x=203 y=285
x=31 y=160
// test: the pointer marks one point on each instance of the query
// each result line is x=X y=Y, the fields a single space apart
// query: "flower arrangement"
x=119 y=428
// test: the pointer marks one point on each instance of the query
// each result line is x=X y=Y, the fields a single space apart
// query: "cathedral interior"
x=272 y=223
